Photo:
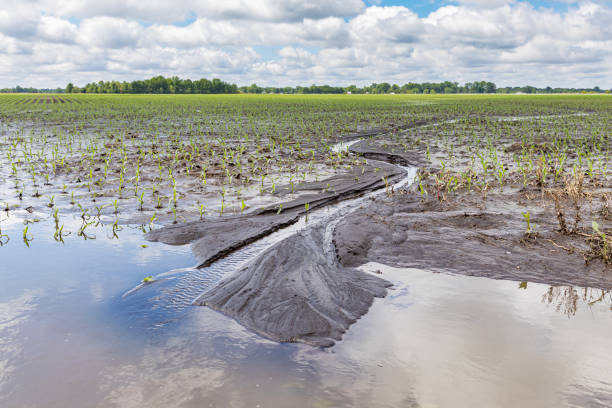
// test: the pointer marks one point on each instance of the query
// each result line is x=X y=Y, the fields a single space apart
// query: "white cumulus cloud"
x=288 y=42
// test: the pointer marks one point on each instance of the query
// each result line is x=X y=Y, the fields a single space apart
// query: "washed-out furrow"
x=317 y=305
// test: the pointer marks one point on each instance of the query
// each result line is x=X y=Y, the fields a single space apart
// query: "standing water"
x=70 y=338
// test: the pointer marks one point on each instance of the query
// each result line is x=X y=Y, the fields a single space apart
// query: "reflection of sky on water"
x=459 y=341
x=68 y=338
x=13 y=314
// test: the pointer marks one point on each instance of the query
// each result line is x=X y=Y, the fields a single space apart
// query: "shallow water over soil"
x=70 y=338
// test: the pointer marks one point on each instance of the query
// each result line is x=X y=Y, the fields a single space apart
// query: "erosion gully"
x=77 y=328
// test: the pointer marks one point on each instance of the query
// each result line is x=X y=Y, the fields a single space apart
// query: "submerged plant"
x=59 y=234
x=27 y=238
x=82 y=230
x=4 y=239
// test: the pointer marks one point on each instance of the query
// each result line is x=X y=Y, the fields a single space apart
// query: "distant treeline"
x=382 y=88
x=176 y=85
x=19 y=89
x=158 y=85
x=446 y=87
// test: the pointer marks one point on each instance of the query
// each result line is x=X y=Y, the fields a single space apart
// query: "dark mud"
x=469 y=236
x=212 y=239
x=359 y=180
x=215 y=238
x=297 y=291
x=374 y=150
x=306 y=288
x=379 y=131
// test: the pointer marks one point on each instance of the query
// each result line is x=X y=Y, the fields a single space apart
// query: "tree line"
x=176 y=85
x=381 y=88
x=19 y=89
x=157 y=85
x=446 y=87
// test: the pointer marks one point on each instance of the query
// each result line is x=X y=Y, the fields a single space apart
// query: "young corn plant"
x=141 y=201
x=27 y=237
x=59 y=234
x=530 y=231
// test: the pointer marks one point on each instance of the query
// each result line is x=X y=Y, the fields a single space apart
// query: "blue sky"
x=290 y=42
x=424 y=7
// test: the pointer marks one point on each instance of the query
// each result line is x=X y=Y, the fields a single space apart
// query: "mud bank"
x=297 y=291
x=359 y=180
x=373 y=150
x=470 y=237
x=214 y=238
x=306 y=288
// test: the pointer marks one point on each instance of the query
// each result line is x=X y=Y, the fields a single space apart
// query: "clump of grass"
x=606 y=211
x=600 y=246
x=573 y=192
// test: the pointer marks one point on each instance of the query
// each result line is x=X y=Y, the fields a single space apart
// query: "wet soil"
x=287 y=292
x=297 y=291
x=469 y=236
x=306 y=288
x=376 y=150
x=214 y=238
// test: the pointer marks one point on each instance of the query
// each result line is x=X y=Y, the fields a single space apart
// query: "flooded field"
x=345 y=251
x=71 y=339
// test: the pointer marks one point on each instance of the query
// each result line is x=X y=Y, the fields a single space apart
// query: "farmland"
x=150 y=154
x=146 y=160
x=284 y=198
x=176 y=156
